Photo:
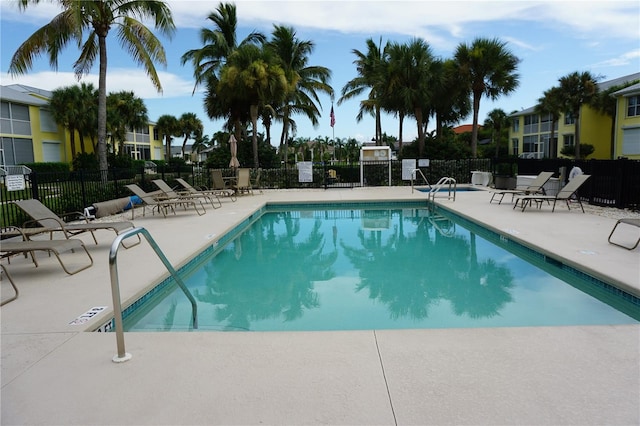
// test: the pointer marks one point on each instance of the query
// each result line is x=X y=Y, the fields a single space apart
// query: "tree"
x=168 y=126
x=125 y=112
x=97 y=18
x=551 y=103
x=449 y=98
x=489 y=69
x=411 y=79
x=251 y=76
x=497 y=120
x=190 y=128
x=577 y=89
x=88 y=120
x=370 y=76
x=218 y=44
x=64 y=106
x=303 y=80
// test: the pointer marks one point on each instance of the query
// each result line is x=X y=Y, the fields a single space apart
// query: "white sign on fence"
x=305 y=171
x=408 y=166
x=15 y=182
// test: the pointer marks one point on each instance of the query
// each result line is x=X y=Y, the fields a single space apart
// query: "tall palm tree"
x=370 y=77
x=450 y=100
x=218 y=44
x=168 y=126
x=64 y=106
x=411 y=80
x=551 y=103
x=96 y=18
x=88 y=120
x=305 y=81
x=576 y=90
x=497 y=120
x=251 y=77
x=489 y=69
x=191 y=128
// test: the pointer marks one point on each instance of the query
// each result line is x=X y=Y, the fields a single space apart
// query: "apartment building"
x=29 y=134
x=530 y=132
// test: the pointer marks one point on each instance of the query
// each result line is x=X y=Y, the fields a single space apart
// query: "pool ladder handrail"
x=122 y=355
x=415 y=172
x=441 y=183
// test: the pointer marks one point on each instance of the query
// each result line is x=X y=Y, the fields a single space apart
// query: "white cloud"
x=621 y=60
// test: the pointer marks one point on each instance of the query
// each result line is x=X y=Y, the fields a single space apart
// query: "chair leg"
x=4 y=302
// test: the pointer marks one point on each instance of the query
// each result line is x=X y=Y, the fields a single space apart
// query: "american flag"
x=333 y=117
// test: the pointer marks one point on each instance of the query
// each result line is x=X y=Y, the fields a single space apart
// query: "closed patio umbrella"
x=233 y=146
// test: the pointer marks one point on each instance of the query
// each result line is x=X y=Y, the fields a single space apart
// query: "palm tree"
x=64 y=106
x=450 y=100
x=370 y=76
x=125 y=112
x=411 y=80
x=305 y=81
x=489 y=69
x=168 y=126
x=97 y=17
x=250 y=77
x=577 y=89
x=190 y=127
x=218 y=44
x=551 y=103
x=497 y=120
x=88 y=120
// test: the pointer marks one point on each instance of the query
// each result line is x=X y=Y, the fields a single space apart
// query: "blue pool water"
x=380 y=267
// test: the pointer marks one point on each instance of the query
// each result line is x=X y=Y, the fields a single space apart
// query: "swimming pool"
x=375 y=266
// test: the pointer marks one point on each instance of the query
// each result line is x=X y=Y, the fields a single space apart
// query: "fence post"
x=34 y=185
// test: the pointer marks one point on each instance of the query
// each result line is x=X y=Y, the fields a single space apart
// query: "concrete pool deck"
x=57 y=373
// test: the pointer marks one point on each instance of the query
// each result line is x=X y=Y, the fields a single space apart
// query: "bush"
x=585 y=150
x=48 y=167
x=85 y=161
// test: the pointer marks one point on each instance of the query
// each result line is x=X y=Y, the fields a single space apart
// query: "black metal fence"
x=613 y=183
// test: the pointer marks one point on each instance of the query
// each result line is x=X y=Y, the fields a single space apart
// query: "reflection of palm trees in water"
x=285 y=290
x=449 y=271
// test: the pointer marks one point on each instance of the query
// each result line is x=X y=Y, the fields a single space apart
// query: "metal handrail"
x=122 y=355
x=413 y=174
x=441 y=183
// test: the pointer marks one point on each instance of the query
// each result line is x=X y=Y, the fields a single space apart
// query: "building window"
x=14 y=119
x=515 y=125
x=631 y=141
x=531 y=124
x=514 y=143
x=530 y=144
x=633 y=106
x=47 y=123
x=16 y=150
x=569 y=119
x=568 y=140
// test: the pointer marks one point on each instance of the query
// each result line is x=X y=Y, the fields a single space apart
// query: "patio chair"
x=535 y=187
x=625 y=221
x=158 y=201
x=204 y=190
x=171 y=194
x=243 y=182
x=565 y=194
x=44 y=217
x=56 y=247
x=220 y=184
x=15 y=289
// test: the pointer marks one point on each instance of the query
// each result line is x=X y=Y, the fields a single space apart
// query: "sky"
x=551 y=39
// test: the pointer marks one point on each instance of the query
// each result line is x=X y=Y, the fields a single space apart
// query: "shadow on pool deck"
x=54 y=372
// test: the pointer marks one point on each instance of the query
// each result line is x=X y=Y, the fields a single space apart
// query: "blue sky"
x=551 y=38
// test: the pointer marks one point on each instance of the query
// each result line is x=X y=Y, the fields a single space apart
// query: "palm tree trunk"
x=577 y=138
x=102 y=105
x=72 y=141
x=418 y=113
x=474 y=128
x=378 y=127
x=401 y=119
x=253 y=109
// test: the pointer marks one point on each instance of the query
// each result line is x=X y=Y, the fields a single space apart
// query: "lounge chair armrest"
x=30 y=223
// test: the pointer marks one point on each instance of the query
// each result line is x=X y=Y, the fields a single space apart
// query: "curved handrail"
x=441 y=183
x=115 y=287
x=413 y=176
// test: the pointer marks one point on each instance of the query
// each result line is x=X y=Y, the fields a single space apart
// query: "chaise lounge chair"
x=171 y=194
x=158 y=201
x=535 y=187
x=47 y=219
x=216 y=192
x=9 y=248
x=566 y=194
x=625 y=221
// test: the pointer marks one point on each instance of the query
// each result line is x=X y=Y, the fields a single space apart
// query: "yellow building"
x=627 y=133
x=28 y=133
x=530 y=132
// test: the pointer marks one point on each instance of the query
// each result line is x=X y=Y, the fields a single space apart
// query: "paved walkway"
x=57 y=373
